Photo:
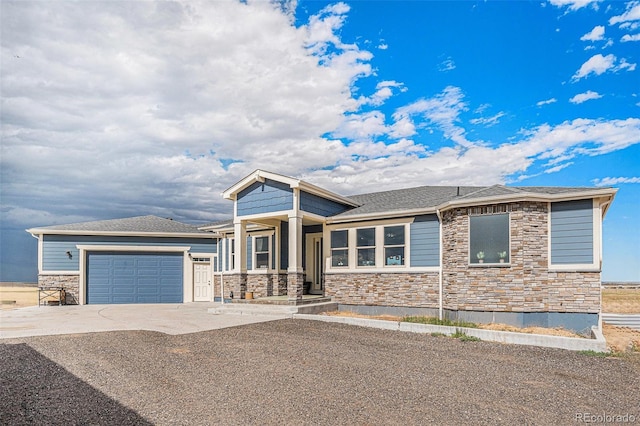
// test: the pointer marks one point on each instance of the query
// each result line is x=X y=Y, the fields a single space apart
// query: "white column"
x=295 y=244
x=240 y=237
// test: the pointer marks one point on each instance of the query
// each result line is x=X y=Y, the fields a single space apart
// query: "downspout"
x=440 y=282
x=603 y=210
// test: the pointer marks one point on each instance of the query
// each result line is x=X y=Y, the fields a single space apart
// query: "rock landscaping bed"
x=304 y=372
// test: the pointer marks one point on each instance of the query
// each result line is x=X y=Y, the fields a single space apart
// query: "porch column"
x=295 y=273
x=239 y=283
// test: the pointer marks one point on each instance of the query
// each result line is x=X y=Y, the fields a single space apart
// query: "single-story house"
x=516 y=255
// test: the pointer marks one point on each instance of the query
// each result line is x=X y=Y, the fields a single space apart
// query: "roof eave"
x=529 y=196
x=526 y=196
x=257 y=176
x=44 y=231
x=262 y=175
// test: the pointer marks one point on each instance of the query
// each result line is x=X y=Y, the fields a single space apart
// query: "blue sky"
x=116 y=109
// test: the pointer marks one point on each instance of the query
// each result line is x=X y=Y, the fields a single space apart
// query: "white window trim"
x=487 y=265
x=407 y=234
x=380 y=267
x=374 y=247
x=331 y=249
x=270 y=268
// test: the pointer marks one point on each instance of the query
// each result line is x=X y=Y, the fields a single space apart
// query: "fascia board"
x=258 y=176
x=567 y=196
x=321 y=192
x=122 y=234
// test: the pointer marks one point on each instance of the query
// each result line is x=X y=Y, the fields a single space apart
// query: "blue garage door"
x=117 y=277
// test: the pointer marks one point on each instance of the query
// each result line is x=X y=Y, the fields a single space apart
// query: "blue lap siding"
x=572 y=232
x=267 y=197
x=425 y=241
x=55 y=247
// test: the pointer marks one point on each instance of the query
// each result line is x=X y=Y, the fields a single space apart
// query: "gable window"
x=339 y=248
x=366 y=246
x=262 y=252
x=489 y=239
x=394 y=245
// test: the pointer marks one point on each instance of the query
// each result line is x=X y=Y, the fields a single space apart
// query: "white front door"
x=314 y=263
x=201 y=282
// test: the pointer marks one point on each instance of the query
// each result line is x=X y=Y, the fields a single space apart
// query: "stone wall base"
x=295 y=287
x=70 y=283
x=418 y=290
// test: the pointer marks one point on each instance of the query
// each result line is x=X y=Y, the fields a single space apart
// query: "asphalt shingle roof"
x=425 y=197
x=406 y=199
x=151 y=224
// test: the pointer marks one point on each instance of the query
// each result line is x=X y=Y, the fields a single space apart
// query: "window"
x=366 y=246
x=262 y=252
x=339 y=248
x=394 y=245
x=489 y=238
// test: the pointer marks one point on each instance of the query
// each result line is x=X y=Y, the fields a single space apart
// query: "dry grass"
x=532 y=330
x=621 y=301
x=621 y=339
x=18 y=297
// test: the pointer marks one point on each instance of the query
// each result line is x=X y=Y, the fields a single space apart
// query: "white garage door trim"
x=186 y=278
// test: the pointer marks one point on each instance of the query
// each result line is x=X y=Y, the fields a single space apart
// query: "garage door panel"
x=134 y=277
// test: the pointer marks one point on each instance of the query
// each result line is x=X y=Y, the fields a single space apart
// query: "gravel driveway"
x=304 y=372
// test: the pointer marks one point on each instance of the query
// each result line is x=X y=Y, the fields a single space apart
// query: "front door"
x=314 y=263
x=201 y=282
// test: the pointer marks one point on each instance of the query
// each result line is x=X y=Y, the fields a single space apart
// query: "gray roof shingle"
x=143 y=224
x=406 y=199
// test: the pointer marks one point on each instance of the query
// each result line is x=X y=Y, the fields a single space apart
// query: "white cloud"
x=443 y=111
x=631 y=14
x=625 y=65
x=612 y=181
x=626 y=38
x=586 y=96
x=488 y=121
x=599 y=64
x=447 y=65
x=94 y=124
x=383 y=92
x=573 y=5
x=546 y=102
x=597 y=33
x=362 y=126
x=190 y=97
x=383 y=46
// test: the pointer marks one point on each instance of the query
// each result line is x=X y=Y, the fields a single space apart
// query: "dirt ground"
x=305 y=373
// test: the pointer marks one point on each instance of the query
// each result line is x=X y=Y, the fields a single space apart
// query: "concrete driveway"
x=165 y=318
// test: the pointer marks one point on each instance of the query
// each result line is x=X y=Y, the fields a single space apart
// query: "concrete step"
x=277 y=310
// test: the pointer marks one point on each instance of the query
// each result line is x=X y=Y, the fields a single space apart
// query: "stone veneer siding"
x=70 y=283
x=268 y=284
x=261 y=285
x=524 y=285
x=384 y=289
